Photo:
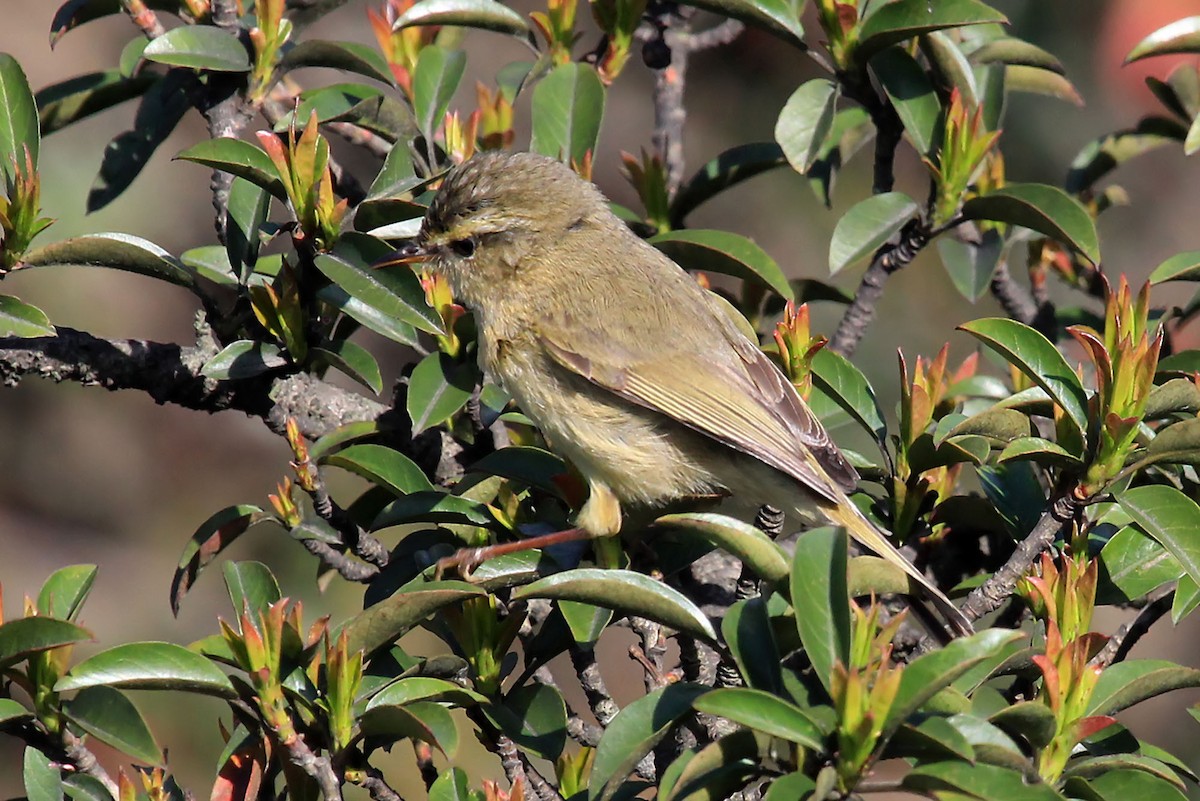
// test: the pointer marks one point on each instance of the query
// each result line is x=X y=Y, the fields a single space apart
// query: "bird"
x=631 y=369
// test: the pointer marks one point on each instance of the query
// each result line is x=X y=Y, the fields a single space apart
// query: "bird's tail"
x=847 y=515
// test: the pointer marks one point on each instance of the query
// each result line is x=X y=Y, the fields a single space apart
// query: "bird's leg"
x=468 y=559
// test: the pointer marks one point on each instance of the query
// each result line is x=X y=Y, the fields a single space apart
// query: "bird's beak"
x=408 y=254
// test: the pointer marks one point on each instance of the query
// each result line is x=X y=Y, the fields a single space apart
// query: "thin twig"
x=146 y=20
x=85 y=762
x=887 y=260
x=346 y=566
x=374 y=783
x=1121 y=643
x=600 y=701
x=510 y=759
x=317 y=767
x=996 y=590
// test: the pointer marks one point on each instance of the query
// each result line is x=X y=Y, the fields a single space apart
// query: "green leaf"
x=487 y=15
x=1132 y=564
x=533 y=466
x=763 y=712
x=345 y=56
x=381 y=465
x=23 y=636
x=912 y=94
x=12 y=711
x=1034 y=355
x=845 y=384
x=42 y=778
x=239 y=158
x=1011 y=50
x=372 y=318
x=245 y=214
x=624 y=591
x=535 y=717
x=821 y=599
x=930 y=740
x=115 y=251
x=959 y=779
x=1181 y=36
x=779 y=17
x=971 y=265
x=1032 y=720
x=394 y=291
x=387 y=621
x=64 y=592
x=790 y=787
x=1038 y=81
x=867 y=226
x=634 y=732
x=19 y=319
x=159 y=112
x=730 y=168
x=213 y=536
x=1103 y=155
x=211 y=262
x=424 y=688
x=894 y=22
x=1170 y=517
x=1128 y=683
x=586 y=622
x=437 y=389
x=19 y=127
x=70 y=101
x=420 y=720
x=1042 y=208
x=1036 y=449
x=1187 y=597
x=354 y=360
x=431 y=507
x=251 y=587
x=243 y=359
x=568 y=106
x=434 y=80
x=148 y=666
x=328 y=103
x=805 y=122
x=130 y=61
x=746 y=628
x=750 y=545
x=397 y=175
x=110 y=717
x=723 y=252
x=714 y=772
x=453 y=785
x=928 y=674
x=202 y=47
x=1180 y=267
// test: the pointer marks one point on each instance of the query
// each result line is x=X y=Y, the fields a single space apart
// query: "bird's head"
x=497 y=214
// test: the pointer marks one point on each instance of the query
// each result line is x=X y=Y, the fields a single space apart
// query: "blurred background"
x=113 y=479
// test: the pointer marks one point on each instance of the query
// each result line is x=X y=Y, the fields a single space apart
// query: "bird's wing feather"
x=742 y=401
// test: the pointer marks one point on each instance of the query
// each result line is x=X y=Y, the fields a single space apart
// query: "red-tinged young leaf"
x=723 y=252
x=202 y=47
x=149 y=666
x=1042 y=208
x=487 y=15
x=212 y=537
x=381 y=465
x=625 y=591
x=634 y=732
x=64 y=592
x=805 y=121
x=24 y=636
x=241 y=773
x=867 y=225
x=891 y=23
x=387 y=621
x=110 y=717
x=1181 y=36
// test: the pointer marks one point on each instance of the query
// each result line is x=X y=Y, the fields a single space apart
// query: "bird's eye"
x=464 y=247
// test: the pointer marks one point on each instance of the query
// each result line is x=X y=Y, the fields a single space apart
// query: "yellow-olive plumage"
x=630 y=368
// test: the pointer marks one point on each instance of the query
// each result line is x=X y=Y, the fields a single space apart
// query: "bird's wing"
x=736 y=396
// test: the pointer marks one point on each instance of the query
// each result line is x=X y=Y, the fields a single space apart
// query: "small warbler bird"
x=630 y=368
